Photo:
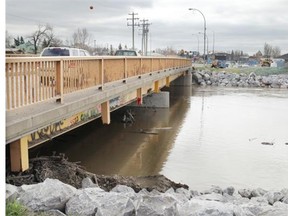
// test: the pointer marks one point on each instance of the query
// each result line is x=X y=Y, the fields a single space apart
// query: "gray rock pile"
x=239 y=80
x=57 y=198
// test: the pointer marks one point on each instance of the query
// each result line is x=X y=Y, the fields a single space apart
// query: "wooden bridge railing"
x=33 y=79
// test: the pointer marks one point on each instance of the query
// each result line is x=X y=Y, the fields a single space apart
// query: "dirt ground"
x=58 y=167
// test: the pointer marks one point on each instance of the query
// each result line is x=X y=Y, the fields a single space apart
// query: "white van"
x=63 y=51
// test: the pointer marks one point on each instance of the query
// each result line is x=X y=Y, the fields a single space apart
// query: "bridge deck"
x=27 y=119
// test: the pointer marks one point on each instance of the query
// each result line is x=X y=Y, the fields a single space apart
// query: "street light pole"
x=204 y=28
x=197 y=41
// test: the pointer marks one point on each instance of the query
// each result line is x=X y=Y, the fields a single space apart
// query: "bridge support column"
x=156 y=86
x=157 y=100
x=185 y=80
x=105 y=112
x=167 y=82
x=19 y=155
x=139 y=96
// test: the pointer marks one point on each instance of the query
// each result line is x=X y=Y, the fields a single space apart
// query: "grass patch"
x=16 y=209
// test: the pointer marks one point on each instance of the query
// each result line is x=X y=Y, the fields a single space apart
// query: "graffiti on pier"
x=76 y=120
x=46 y=132
x=57 y=128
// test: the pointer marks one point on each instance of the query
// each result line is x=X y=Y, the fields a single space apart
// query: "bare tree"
x=276 y=52
x=270 y=51
x=267 y=50
x=8 y=40
x=167 y=51
x=81 y=38
x=39 y=35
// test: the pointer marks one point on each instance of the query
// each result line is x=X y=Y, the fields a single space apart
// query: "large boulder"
x=213 y=197
x=273 y=197
x=87 y=183
x=48 y=195
x=160 y=205
x=255 y=208
x=197 y=77
x=11 y=192
x=246 y=193
x=95 y=201
x=197 y=207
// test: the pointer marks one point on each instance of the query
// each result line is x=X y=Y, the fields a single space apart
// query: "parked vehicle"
x=63 y=51
x=218 y=64
x=126 y=53
x=49 y=79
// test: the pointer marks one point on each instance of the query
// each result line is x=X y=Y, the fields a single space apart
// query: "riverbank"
x=256 y=78
x=90 y=194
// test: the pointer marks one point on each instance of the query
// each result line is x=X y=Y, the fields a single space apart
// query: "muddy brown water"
x=209 y=136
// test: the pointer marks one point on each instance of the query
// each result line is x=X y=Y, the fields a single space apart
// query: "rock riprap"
x=55 y=196
x=208 y=78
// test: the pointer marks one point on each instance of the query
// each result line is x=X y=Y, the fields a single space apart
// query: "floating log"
x=267 y=143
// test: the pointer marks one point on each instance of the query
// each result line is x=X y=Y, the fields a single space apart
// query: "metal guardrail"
x=33 y=79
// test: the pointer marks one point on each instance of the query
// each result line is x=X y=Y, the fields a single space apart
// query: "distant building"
x=259 y=54
x=285 y=57
x=14 y=51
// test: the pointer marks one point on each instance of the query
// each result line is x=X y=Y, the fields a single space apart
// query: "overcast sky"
x=236 y=25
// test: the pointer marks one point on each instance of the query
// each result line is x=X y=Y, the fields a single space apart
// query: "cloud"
x=242 y=25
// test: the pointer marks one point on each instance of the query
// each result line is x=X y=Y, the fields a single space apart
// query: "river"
x=208 y=136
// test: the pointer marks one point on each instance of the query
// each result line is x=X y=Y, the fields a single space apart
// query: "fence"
x=33 y=79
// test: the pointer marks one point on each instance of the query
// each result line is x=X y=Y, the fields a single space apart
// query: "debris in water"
x=128 y=117
x=267 y=143
x=162 y=128
x=148 y=132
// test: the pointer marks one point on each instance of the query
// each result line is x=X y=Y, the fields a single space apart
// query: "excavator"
x=266 y=62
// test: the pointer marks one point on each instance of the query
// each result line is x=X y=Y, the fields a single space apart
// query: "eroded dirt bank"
x=72 y=173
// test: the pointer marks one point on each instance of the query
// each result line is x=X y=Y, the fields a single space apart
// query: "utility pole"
x=133 y=24
x=213 y=41
x=145 y=31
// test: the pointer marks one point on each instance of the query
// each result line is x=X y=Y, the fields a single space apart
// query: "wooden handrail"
x=33 y=79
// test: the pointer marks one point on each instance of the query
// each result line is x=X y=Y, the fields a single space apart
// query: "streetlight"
x=207 y=38
x=204 y=28
x=198 y=41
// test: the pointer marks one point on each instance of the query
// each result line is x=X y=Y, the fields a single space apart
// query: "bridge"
x=46 y=97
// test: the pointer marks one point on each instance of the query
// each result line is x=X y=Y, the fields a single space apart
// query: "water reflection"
x=220 y=140
x=125 y=149
x=208 y=136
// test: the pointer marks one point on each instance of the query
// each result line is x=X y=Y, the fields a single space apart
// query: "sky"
x=231 y=25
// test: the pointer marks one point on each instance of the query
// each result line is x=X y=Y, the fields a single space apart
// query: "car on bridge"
x=126 y=53
x=63 y=51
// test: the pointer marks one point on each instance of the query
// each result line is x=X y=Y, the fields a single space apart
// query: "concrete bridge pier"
x=185 y=80
x=157 y=100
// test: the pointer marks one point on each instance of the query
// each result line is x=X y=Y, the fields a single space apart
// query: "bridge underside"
x=34 y=124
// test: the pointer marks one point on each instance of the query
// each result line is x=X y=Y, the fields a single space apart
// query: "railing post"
x=59 y=80
x=19 y=156
x=125 y=68
x=102 y=73
x=141 y=66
